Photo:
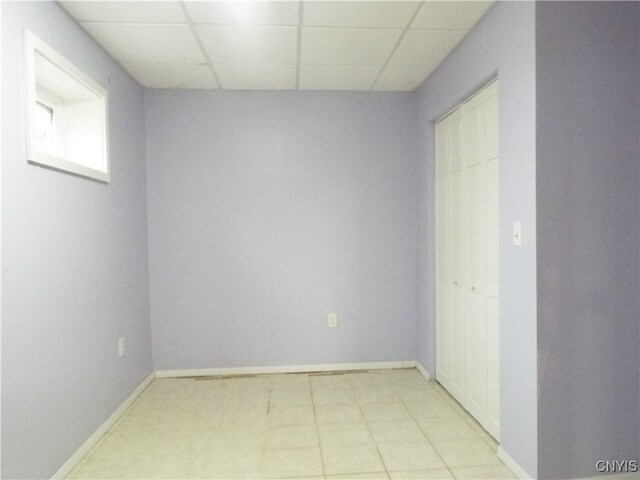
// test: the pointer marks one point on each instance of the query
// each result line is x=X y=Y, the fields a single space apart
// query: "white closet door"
x=443 y=261
x=467 y=322
x=492 y=170
x=473 y=142
x=456 y=318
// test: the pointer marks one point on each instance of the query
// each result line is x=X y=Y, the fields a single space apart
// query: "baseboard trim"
x=508 y=460
x=423 y=371
x=329 y=367
x=68 y=466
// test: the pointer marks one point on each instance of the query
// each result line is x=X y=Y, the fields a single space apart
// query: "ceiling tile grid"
x=382 y=45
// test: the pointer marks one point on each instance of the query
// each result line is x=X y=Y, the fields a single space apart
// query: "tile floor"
x=374 y=424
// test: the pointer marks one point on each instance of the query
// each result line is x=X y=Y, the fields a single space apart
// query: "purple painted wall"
x=74 y=258
x=503 y=42
x=267 y=211
x=587 y=189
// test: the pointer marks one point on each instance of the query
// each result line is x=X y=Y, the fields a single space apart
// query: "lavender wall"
x=74 y=259
x=269 y=210
x=587 y=189
x=503 y=42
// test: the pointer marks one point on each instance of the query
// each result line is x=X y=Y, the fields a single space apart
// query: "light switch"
x=517 y=234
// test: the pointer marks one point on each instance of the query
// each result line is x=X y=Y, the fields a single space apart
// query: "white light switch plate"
x=517 y=234
x=332 y=320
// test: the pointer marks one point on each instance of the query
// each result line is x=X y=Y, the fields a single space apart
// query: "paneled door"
x=467 y=284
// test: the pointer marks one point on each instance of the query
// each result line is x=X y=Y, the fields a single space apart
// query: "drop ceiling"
x=278 y=45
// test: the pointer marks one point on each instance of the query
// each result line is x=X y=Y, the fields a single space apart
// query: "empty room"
x=320 y=239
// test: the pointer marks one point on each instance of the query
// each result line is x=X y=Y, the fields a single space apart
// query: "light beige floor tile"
x=351 y=459
x=334 y=397
x=156 y=402
x=287 y=399
x=116 y=445
x=246 y=436
x=167 y=466
x=289 y=391
x=396 y=431
x=337 y=434
x=244 y=414
x=437 y=474
x=434 y=409
x=338 y=414
x=466 y=453
x=448 y=428
x=328 y=382
x=118 y=467
x=245 y=400
x=230 y=462
x=292 y=462
x=220 y=427
x=376 y=412
x=363 y=379
x=417 y=394
x=289 y=380
x=193 y=416
x=146 y=423
x=491 y=472
x=211 y=386
x=291 y=415
x=182 y=444
x=356 y=476
x=410 y=456
x=366 y=396
x=204 y=399
x=292 y=436
x=257 y=384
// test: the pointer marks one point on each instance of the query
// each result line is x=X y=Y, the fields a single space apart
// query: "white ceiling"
x=278 y=45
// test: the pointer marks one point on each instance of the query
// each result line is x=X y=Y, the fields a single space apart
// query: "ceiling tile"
x=347 y=46
x=245 y=12
x=172 y=75
x=126 y=12
x=450 y=15
x=359 y=14
x=426 y=47
x=256 y=77
x=401 y=78
x=337 y=77
x=250 y=44
x=147 y=43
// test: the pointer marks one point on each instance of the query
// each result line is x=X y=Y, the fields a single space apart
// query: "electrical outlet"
x=332 y=320
x=121 y=347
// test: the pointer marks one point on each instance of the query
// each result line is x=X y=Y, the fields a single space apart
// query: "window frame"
x=35 y=46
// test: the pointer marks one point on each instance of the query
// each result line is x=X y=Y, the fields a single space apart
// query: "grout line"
x=315 y=420
x=203 y=50
x=299 y=51
x=395 y=48
x=366 y=422
x=429 y=441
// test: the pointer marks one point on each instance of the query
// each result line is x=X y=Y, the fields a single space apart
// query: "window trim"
x=32 y=46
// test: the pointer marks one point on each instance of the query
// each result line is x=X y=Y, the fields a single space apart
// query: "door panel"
x=492 y=227
x=493 y=367
x=467 y=256
x=475 y=233
x=476 y=378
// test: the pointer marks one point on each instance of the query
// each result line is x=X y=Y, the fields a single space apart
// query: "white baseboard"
x=66 y=468
x=423 y=371
x=329 y=367
x=520 y=472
